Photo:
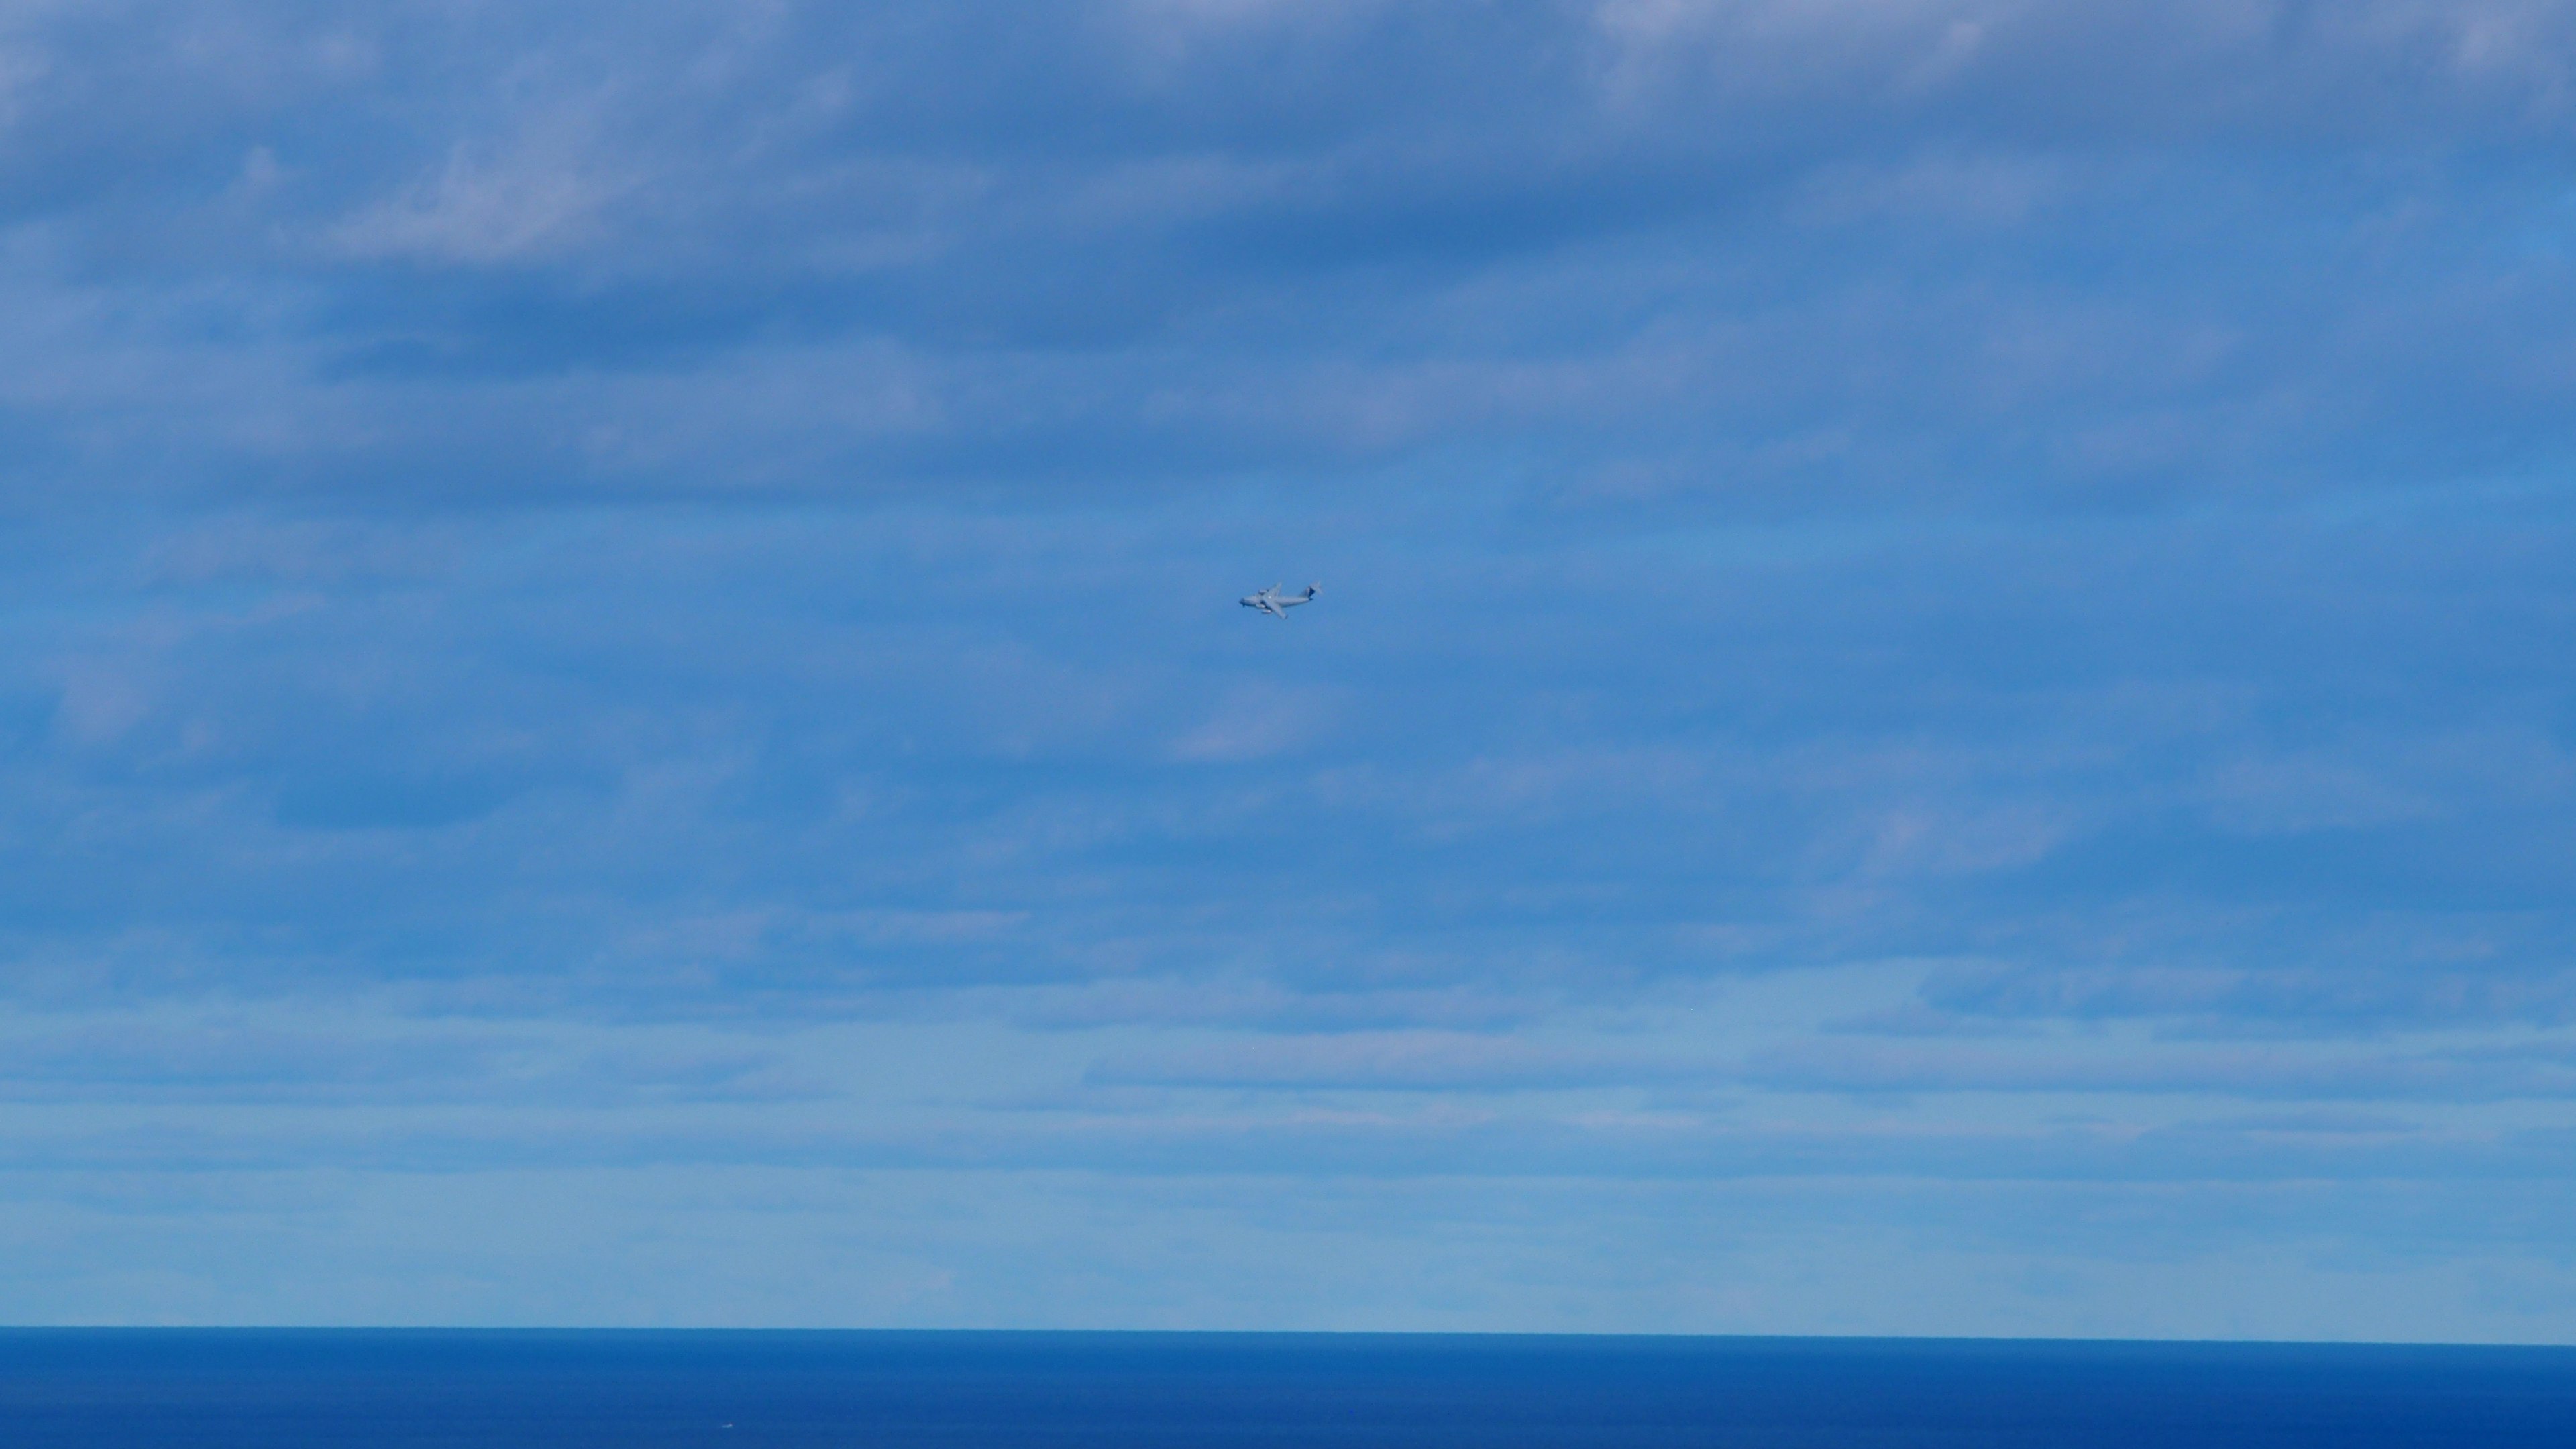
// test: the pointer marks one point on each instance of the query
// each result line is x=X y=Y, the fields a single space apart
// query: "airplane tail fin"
x=1313 y=589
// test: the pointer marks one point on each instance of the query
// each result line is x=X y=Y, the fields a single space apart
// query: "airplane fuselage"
x=1276 y=604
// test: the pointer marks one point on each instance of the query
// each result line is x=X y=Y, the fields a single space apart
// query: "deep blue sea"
x=107 y=1389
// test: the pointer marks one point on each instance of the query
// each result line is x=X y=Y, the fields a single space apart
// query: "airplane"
x=1270 y=601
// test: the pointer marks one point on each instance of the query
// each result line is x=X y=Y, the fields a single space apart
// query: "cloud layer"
x=1945 y=647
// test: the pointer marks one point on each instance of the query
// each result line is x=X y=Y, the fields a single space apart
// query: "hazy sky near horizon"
x=1944 y=701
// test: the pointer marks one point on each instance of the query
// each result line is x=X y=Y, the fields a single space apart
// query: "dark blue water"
x=389 y=1390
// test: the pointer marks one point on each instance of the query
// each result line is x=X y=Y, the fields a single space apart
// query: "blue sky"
x=1942 y=703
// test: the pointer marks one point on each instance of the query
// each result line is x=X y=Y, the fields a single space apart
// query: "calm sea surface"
x=285 y=1390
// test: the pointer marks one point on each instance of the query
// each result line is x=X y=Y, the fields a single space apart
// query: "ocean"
x=290 y=1389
